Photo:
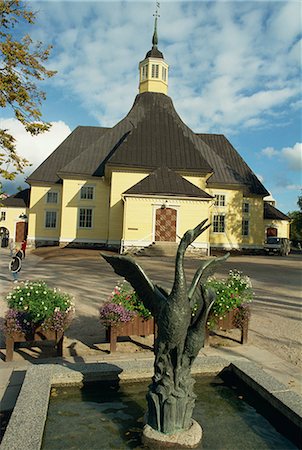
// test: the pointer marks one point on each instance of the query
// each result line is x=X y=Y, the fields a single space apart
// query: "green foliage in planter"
x=33 y=303
x=231 y=294
x=123 y=294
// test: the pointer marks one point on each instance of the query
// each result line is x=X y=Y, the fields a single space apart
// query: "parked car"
x=277 y=246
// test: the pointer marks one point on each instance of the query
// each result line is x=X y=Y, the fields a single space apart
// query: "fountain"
x=168 y=422
x=180 y=336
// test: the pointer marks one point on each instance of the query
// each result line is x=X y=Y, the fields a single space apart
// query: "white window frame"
x=51 y=211
x=164 y=73
x=246 y=207
x=217 y=223
x=85 y=227
x=3 y=216
x=145 y=72
x=245 y=229
x=49 y=194
x=220 y=200
x=87 y=187
x=155 y=71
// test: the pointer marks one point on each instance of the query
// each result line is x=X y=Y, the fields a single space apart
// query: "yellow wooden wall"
x=11 y=218
x=283 y=227
x=71 y=203
x=139 y=217
x=38 y=208
x=120 y=182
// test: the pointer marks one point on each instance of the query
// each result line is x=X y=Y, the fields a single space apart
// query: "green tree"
x=296 y=222
x=21 y=69
x=299 y=202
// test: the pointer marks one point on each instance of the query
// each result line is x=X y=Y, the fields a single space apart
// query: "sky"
x=234 y=69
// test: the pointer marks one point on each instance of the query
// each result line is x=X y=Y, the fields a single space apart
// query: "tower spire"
x=156 y=15
x=153 y=70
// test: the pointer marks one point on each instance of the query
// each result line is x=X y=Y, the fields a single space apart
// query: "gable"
x=165 y=181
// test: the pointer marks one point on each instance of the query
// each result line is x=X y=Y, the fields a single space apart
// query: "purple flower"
x=17 y=322
x=112 y=313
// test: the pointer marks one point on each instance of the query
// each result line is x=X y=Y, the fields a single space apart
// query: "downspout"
x=124 y=224
x=108 y=210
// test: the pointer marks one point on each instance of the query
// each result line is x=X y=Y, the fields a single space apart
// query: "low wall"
x=30 y=411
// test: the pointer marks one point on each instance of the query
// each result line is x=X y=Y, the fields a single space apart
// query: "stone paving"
x=85 y=340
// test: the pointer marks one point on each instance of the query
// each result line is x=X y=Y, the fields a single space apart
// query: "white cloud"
x=292 y=156
x=33 y=148
x=269 y=152
x=293 y=187
x=231 y=64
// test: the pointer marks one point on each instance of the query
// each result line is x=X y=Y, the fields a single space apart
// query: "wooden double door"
x=165 y=224
x=21 y=231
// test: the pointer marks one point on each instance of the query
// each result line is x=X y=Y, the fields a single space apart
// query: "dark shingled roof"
x=241 y=171
x=19 y=200
x=165 y=181
x=70 y=148
x=152 y=135
x=154 y=53
x=270 y=212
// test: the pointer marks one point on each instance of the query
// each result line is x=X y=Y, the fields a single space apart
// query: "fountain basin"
x=31 y=409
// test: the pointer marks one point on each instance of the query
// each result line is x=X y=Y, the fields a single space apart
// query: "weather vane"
x=156 y=11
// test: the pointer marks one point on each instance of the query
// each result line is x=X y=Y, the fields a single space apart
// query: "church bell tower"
x=153 y=70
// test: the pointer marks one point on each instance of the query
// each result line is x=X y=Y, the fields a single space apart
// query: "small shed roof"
x=270 y=212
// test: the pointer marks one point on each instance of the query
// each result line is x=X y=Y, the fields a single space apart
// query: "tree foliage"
x=299 y=202
x=296 y=222
x=21 y=70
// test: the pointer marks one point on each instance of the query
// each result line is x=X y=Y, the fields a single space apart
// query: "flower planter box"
x=226 y=324
x=136 y=327
x=37 y=335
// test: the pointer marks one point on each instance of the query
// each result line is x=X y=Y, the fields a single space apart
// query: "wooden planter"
x=226 y=324
x=136 y=327
x=37 y=335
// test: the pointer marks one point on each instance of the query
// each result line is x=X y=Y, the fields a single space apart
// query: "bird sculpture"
x=180 y=333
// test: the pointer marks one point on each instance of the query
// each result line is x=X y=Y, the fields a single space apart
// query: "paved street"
x=276 y=312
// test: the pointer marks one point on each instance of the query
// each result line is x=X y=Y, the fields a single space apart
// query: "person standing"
x=23 y=247
x=15 y=267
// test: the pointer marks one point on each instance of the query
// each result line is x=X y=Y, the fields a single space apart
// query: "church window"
x=245 y=227
x=219 y=223
x=87 y=193
x=145 y=72
x=3 y=215
x=220 y=200
x=155 y=70
x=164 y=73
x=245 y=207
x=51 y=219
x=52 y=197
x=85 y=218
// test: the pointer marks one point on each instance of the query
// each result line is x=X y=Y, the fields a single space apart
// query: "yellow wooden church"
x=148 y=179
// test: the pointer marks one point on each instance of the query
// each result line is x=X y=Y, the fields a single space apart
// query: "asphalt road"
x=276 y=311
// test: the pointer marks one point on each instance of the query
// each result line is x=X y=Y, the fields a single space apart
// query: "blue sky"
x=235 y=68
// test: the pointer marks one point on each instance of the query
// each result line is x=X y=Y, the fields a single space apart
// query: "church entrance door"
x=21 y=231
x=165 y=224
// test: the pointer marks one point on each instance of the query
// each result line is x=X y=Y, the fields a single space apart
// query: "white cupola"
x=153 y=70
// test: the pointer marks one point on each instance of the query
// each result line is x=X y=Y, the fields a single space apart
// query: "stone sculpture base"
x=182 y=439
